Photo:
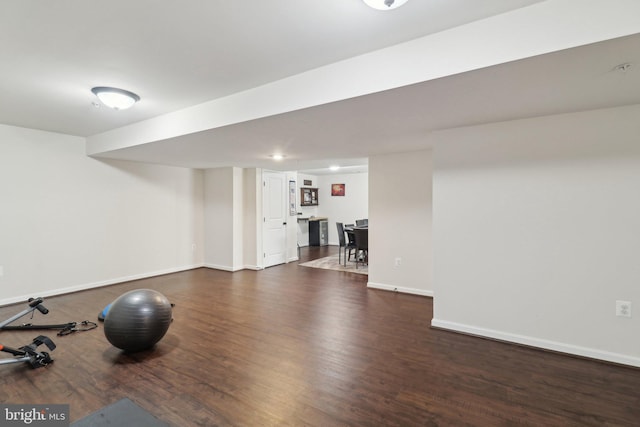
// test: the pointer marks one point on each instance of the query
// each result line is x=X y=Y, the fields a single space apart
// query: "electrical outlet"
x=398 y=262
x=623 y=308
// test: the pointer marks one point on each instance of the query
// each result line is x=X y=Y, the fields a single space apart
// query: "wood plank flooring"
x=294 y=346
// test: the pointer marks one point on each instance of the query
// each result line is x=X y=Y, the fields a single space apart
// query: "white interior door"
x=274 y=210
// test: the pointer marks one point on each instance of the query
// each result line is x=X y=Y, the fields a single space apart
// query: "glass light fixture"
x=385 y=4
x=277 y=156
x=334 y=168
x=118 y=99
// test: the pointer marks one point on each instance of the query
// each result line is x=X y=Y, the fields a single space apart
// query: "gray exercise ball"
x=137 y=320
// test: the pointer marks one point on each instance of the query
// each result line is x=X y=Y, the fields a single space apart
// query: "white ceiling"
x=180 y=54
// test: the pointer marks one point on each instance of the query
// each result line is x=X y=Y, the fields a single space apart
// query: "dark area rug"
x=123 y=413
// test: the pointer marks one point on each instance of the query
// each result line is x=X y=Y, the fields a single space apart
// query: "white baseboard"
x=224 y=267
x=99 y=284
x=537 y=342
x=231 y=269
x=413 y=291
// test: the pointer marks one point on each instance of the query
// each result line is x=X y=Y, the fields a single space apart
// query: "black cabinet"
x=318 y=232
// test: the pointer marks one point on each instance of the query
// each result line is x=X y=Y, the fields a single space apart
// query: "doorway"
x=274 y=210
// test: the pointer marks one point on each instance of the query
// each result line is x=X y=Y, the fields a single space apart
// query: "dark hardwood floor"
x=297 y=346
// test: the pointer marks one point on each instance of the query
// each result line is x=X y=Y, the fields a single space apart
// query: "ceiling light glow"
x=334 y=168
x=385 y=4
x=277 y=156
x=118 y=99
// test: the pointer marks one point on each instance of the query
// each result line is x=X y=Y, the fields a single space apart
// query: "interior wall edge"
x=560 y=347
x=99 y=284
x=223 y=267
x=253 y=267
x=402 y=290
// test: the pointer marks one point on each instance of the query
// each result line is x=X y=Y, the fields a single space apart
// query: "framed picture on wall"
x=337 y=189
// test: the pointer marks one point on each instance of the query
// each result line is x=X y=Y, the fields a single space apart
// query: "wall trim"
x=224 y=267
x=99 y=284
x=590 y=353
x=231 y=269
x=412 y=291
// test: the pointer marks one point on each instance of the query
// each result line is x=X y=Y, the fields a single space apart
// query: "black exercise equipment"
x=29 y=353
x=36 y=304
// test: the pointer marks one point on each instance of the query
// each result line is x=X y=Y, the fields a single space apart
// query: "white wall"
x=251 y=218
x=70 y=222
x=537 y=226
x=354 y=205
x=292 y=220
x=238 y=219
x=306 y=211
x=224 y=218
x=400 y=222
x=234 y=220
x=346 y=209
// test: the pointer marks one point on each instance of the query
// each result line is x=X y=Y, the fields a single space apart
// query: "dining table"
x=351 y=238
x=350 y=229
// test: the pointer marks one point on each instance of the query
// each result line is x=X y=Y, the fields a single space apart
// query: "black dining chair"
x=362 y=222
x=362 y=245
x=344 y=244
x=348 y=228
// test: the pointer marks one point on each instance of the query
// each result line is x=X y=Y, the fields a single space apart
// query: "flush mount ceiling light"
x=118 y=99
x=334 y=168
x=385 y=4
x=277 y=156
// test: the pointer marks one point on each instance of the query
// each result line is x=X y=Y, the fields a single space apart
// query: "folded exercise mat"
x=122 y=413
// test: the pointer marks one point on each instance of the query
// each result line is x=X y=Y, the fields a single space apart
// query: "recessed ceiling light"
x=385 y=4
x=277 y=156
x=334 y=168
x=118 y=99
